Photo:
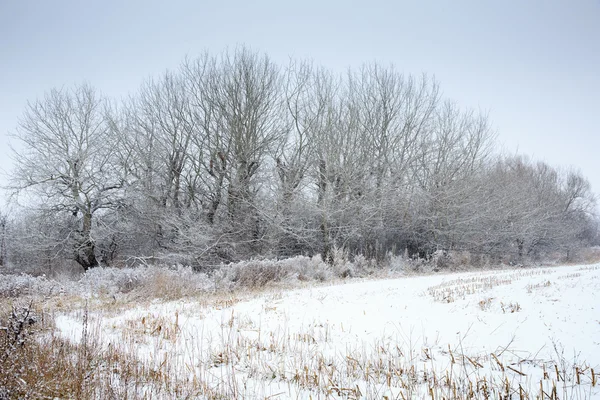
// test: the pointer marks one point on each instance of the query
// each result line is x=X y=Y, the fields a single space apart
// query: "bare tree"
x=248 y=98
x=67 y=162
x=363 y=158
x=210 y=144
x=159 y=133
x=230 y=156
x=308 y=100
x=393 y=113
x=246 y=94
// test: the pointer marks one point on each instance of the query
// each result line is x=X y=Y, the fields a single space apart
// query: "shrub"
x=150 y=281
x=13 y=286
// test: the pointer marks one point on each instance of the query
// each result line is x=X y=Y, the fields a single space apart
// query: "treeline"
x=233 y=156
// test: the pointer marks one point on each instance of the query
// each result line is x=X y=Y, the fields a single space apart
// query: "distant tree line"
x=233 y=156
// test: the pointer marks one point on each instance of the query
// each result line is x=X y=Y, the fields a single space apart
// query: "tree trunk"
x=3 y=223
x=326 y=252
x=85 y=249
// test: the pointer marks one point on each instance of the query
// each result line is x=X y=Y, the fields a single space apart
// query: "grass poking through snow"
x=463 y=336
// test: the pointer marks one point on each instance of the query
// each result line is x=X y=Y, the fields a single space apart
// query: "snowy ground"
x=515 y=332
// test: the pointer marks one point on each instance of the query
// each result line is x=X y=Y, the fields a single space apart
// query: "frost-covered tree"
x=232 y=156
x=64 y=163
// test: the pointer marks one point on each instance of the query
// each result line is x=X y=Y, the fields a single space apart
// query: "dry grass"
x=486 y=303
x=510 y=308
x=237 y=366
x=36 y=363
x=245 y=361
x=533 y=287
x=460 y=288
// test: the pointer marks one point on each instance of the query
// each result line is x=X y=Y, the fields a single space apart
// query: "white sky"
x=534 y=65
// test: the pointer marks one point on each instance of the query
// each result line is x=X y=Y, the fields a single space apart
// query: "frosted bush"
x=178 y=281
x=307 y=268
x=107 y=280
x=258 y=273
x=175 y=282
x=398 y=263
x=24 y=284
x=154 y=281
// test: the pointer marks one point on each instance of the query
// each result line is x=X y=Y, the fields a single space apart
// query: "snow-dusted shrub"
x=440 y=259
x=258 y=273
x=398 y=263
x=307 y=268
x=153 y=281
x=253 y=273
x=174 y=282
x=363 y=266
x=459 y=259
x=341 y=266
x=24 y=285
x=108 y=280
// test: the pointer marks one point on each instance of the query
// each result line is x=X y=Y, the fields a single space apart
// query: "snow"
x=323 y=340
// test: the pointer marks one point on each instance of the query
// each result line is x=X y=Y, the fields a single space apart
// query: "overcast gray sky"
x=534 y=65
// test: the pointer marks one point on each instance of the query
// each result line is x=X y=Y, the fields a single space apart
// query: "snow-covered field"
x=527 y=333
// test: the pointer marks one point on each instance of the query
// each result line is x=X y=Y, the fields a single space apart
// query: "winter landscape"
x=239 y=229
x=299 y=200
x=518 y=333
